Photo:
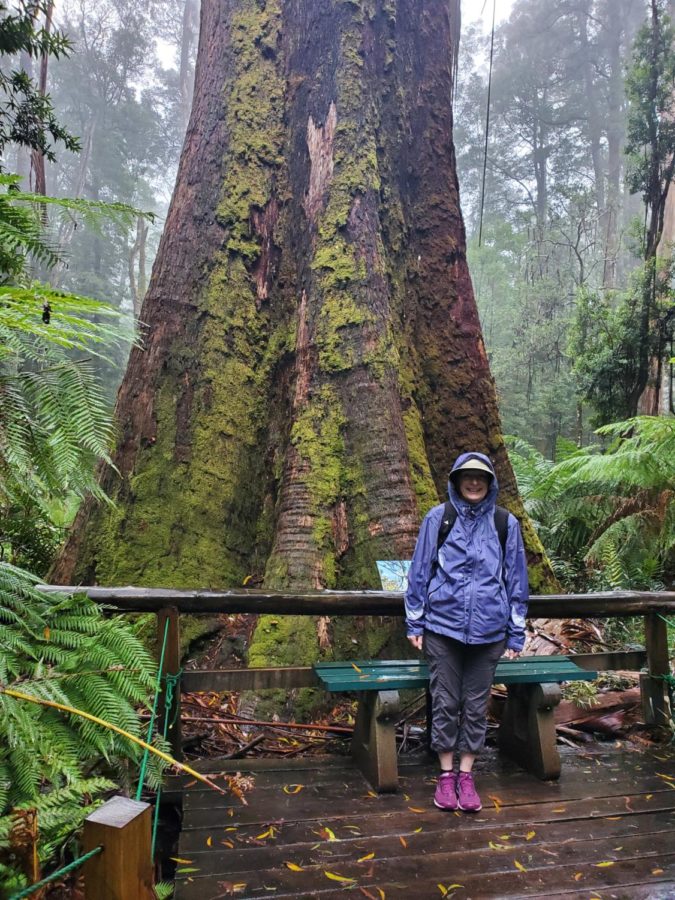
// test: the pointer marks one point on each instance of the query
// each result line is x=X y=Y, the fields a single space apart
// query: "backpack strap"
x=447 y=521
x=502 y=526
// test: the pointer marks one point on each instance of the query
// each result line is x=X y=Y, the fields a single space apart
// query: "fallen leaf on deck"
x=179 y=859
x=494 y=846
x=507 y=837
x=294 y=867
x=371 y=794
x=614 y=818
x=353 y=829
x=417 y=830
x=227 y=843
x=356 y=668
x=186 y=871
x=403 y=841
x=519 y=866
x=497 y=802
x=578 y=876
x=657 y=871
x=266 y=834
x=415 y=809
x=530 y=835
x=560 y=809
x=367 y=856
x=668 y=777
x=191 y=783
x=604 y=865
x=649 y=796
x=366 y=893
x=209 y=841
x=616 y=849
x=293 y=788
x=327 y=834
x=231 y=887
x=335 y=877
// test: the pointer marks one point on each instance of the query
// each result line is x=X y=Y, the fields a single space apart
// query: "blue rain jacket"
x=469 y=596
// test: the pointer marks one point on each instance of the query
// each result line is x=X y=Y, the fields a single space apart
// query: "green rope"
x=670 y=622
x=153 y=715
x=26 y=892
x=172 y=682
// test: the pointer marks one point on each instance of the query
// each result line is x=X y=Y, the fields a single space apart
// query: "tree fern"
x=608 y=512
x=61 y=648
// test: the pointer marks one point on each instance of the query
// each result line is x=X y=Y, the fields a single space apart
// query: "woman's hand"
x=512 y=654
x=416 y=641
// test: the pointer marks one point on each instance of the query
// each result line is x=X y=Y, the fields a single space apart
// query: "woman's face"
x=473 y=485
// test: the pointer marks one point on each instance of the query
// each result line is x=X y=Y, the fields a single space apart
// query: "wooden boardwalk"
x=312 y=828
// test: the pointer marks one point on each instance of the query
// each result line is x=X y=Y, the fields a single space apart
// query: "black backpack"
x=450 y=517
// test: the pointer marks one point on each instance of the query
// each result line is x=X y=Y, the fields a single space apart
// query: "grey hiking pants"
x=460 y=676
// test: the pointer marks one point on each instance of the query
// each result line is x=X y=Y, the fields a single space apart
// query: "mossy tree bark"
x=312 y=359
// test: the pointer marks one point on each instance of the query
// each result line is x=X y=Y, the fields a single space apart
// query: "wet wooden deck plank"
x=614 y=807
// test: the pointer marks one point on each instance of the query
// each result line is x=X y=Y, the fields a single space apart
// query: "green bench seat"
x=526 y=733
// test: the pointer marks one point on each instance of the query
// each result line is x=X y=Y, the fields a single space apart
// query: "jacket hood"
x=457 y=501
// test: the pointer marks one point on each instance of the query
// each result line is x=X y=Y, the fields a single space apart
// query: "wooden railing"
x=169 y=604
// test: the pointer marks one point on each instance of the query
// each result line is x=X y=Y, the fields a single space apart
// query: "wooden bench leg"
x=527 y=731
x=374 y=739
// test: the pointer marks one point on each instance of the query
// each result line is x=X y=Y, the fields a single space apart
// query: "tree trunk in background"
x=313 y=361
x=39 y=180
x=186 y=72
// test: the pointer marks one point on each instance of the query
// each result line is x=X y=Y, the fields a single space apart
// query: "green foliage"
x=55 y=421
x=27 y=117
x=60 y=648
x=650 y=82
x=607 y=517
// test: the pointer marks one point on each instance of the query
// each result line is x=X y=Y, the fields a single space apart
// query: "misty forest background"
x=559 y=271
x=568 y=227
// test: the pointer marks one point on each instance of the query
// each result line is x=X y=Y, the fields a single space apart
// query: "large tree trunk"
x=313 y=360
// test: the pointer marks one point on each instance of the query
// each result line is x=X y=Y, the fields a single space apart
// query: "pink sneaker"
x=446 y=791
x=467 y=796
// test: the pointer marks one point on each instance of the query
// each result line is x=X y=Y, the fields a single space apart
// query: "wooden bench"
x=527 y=731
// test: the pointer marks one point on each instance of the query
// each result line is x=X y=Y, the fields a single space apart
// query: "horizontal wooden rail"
x=356 y=603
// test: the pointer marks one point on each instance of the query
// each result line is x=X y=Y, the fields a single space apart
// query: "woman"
x=465 y=607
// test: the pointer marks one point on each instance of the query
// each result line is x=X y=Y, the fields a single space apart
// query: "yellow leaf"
x=507 y=837
x=293 y=788
x=530 y=835
x=209 y=841
x=442 y=889
x=231 y=828
x=560 y=809
x=415 y=809
x=417 y=830
x=356 y=668
x=246 y=580
x=657 y=871
x=604 y=865
x=371 y=794
x=453 y=887
x=226 y=843
x=330 y=835
x=335 y=877
x=403 y=841
x=497 y=802
x=294 y=867
x=494 y=846
x=616 y=849
x=519 y=866
x=649 y=796
x=578 y=876
x=406 y=797
x=667 y=777
x=46 y=633
x=367 y=856
x=180 y=860
x=266 y=834
x=614 y=818
x=239 y=886
x=381 y=893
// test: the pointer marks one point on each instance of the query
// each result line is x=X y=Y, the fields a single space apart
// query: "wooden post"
x=123 y=871
x=655 y=699
x=171 y=667
x=374 y=739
